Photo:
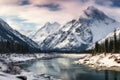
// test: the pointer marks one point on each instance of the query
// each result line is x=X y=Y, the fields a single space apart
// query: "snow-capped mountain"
x=99 y=23
x=9 y=34
x=78 y=35
x=47 y=29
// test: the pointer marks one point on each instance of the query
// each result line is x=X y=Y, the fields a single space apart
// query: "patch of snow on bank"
x=6 y=59
x=24 y=57
x=101 y=60
x=4 y=76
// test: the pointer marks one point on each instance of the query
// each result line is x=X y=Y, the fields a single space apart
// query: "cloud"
x=23 y=2
x=33 y=14
x=18 y=23
x=103 y=2
x=110 y=3
x=116 y=3
x=50 y=6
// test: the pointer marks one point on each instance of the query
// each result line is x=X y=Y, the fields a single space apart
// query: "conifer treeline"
x=11 y=47
x=108 y=46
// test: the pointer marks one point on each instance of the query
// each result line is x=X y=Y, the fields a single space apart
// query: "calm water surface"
x=65 y=69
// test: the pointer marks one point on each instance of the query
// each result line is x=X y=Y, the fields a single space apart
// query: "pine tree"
x=115 y=42
x=96 y=47
x=106 y=46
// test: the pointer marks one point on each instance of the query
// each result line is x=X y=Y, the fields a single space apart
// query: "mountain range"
x=77 y=35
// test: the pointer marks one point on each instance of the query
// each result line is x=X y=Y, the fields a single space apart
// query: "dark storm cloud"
x=111 y=3
x=116 y=3
x=83 y=0
x=50 y=6
x=23 y=2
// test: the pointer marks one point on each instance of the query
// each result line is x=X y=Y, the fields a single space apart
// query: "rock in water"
x=22 y=77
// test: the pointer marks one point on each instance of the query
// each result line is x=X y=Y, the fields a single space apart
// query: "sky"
x=27 y=15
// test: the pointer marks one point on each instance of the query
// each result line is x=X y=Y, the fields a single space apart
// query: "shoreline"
x=101 y=62
x=11 y=69
x=103 y=68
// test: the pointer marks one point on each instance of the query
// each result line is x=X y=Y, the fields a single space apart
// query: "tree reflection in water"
x=111 y=75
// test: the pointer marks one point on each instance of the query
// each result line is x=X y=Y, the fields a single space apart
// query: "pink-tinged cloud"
x=41 y=11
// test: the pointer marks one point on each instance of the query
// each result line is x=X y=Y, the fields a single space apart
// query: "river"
x=65 y=69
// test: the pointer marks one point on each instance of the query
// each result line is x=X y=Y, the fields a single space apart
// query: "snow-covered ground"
x=4 y=76
x=24 y=57
x=7 y=59
x=29 y=76
x=101 y=61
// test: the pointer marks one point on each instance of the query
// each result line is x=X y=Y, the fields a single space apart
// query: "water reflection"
x=63 y=68
x=106 y=75
x=115 y=75
x=112 y=75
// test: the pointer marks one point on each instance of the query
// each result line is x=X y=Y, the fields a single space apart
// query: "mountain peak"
x=49 y=23
x=92 y=13
x=48 y=29
x=91 y=8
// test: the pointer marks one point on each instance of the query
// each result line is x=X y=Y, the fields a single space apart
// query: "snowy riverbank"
x=101 y=61
x=10 y=70
x=25 y=57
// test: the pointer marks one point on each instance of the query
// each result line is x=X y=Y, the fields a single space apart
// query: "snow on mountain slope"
x=110 y=36
x=69 y=38
x=99 y=23
x=9 y=34
x=78 y=35
x=47 y=29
